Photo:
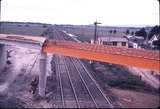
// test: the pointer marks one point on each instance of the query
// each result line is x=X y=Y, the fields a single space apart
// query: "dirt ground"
x=133 y=99
x=147 y=76
x=16 y=78
x=135 y=93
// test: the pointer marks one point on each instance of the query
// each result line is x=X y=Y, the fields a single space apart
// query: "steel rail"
x=107 y=99
x=77 y=101
x=61 y=87
x=85 y=85
x=70 y=81
x=81 y=79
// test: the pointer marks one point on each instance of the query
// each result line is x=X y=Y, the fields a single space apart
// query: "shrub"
x=26 y=25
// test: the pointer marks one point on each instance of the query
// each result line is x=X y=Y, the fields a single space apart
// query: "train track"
x=84 y=73
x=68 y=96
x=65 y=94
x=76 y=87
x=84 y=96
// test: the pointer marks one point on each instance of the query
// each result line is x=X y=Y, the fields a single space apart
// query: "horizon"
x=64 y=12
x=100 y=25
x=83 y=12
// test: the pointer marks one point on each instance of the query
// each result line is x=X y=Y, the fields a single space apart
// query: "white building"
x=113 y=40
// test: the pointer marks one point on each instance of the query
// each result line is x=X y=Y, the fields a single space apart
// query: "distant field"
x=23 y=28
x=86 y=33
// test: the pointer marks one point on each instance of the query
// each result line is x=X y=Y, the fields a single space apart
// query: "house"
x=114 y=41
x=132 y=44
x=154 y=39
x=136 y=39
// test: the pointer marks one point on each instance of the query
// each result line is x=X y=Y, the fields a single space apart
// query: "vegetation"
x=132 y=33
x=19 y=25
x=26 y=25
x=157 y=44
x=119 y=76
x=154 y=30
x=114 y=31
x=44 y=26
x=110 y=31
x=23 y=28
x=84 y=39
x=127 y=31
x=141 y=32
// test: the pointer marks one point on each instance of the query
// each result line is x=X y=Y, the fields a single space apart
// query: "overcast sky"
x=108 y=12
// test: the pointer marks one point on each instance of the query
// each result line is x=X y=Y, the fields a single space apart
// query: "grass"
x=119 y=76
x=22 y=28
x=83 y=39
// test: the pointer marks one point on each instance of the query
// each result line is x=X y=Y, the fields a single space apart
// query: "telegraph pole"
x=95 y=31
x=0 y=10
x=0 y=16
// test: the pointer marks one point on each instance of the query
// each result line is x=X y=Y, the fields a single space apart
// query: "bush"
x=119 y=76
x=44 y=26
x=126 y=82
x=19 y=25
x=26 y=25
x=8 y=62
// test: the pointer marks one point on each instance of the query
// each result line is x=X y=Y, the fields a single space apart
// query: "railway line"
x=99 y=97
x=84 y=96
x=67 y=95
x=76 y=88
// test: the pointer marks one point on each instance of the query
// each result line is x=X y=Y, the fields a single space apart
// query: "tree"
x=26 y=25
x=154 y=30
x=157 y=44
x=110 y=31
x=127 y=31
x=19 y=25
x=44 y=26
x=141 y=32
x=132 y=33
x=114 y=31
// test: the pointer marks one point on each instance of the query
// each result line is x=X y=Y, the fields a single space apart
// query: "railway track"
x=98 y=95
x=76 y=88
x=84 y=96
x=67 y=94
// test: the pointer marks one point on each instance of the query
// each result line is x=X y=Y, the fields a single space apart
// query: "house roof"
x=113 y=39
x=135 y=37
x=155 y=37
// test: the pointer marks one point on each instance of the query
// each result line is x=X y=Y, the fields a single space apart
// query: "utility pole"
x=95 y=31
x=0 y=10
x=0 y=16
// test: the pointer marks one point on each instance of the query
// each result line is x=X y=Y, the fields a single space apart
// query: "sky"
x=82 y=12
